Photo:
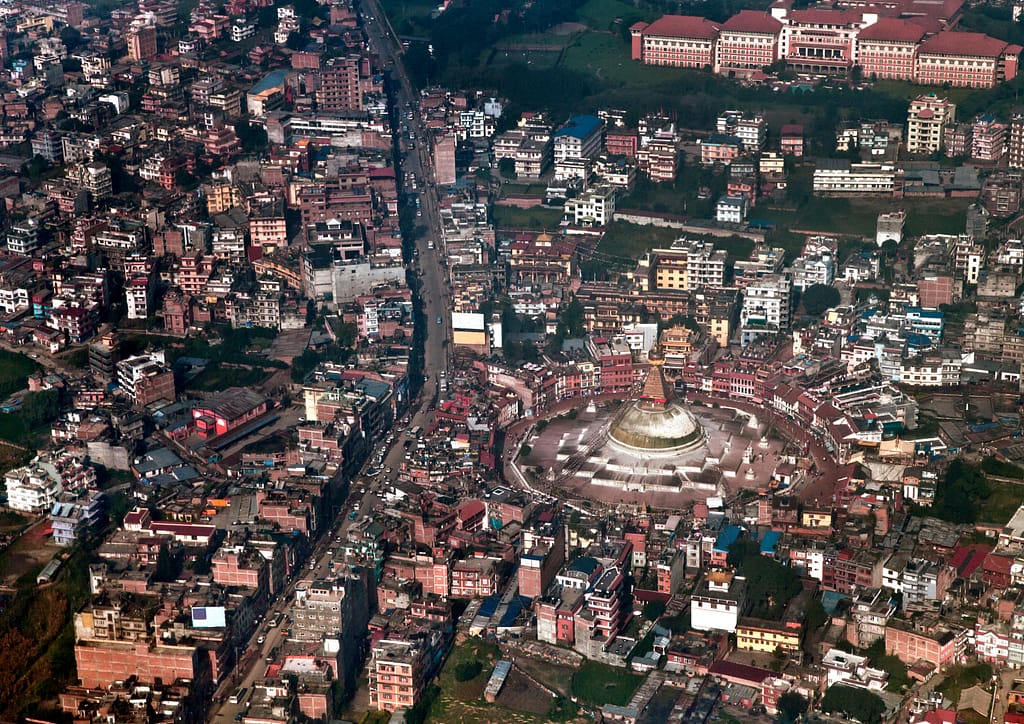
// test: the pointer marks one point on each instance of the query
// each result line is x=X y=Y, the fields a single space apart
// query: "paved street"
x=434 y=295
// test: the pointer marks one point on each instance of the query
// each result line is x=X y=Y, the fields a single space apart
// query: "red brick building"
x=101 y=663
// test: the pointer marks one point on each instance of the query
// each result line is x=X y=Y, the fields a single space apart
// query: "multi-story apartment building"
x=926 y=640
x=398 y=673
x=580 y=137
x=682 y=41
x=926 y=117
x=747 y=42
x=1015 y=141
x=142 y=43
x=750 y=128
x=767 y=304
x=988 y=139
x=659 y=156
x=340 y=86
x=145 y=379
x=686 y=265
x=594 y=207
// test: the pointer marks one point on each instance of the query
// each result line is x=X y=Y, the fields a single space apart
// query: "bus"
x=238 y=696
x=415 y=431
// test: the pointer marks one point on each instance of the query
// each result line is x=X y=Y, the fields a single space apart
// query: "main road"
x=430 y=260
x=435 y=299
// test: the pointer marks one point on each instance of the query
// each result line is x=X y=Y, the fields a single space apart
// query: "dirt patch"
x=558 y=678
x=29 y=553
x=568 y=28
x=521 y=694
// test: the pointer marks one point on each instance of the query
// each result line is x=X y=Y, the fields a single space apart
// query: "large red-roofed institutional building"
x=898 y=39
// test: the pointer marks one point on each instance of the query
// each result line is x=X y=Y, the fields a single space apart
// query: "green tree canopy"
x=960 y=493
x=791 y=707
x=854 y=703
x=819 y=297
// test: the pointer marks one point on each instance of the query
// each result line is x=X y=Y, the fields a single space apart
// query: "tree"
x=468 y=670
x=819 y=297
x=960 y=493
x=507 y=168
x=791 y=706
x=168 y=566
x=296 y=41
x=653 y=610
x=854 y=703
x=252 y=137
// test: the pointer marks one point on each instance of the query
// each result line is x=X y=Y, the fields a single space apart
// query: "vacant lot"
x=521 y=694
x=215 y=378
x=537 y=219
x=14 y=371
x=558 y=678
x=599 y=684
x=26 y=556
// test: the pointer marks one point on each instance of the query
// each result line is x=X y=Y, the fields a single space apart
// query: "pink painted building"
x=682 y=41
x=747 y=42
x=966 y=60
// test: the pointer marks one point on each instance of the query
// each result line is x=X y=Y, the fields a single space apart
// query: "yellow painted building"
x=755 y=634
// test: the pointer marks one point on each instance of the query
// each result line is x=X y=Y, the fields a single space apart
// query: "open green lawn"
x=628 y=241
x=216 y=378
x=1002 y=503
x=514 y=189
x=538 y=218
x=858 y=216
x=605 y=59
x=535 y=59
x=14 y=371
x=600 y=684
x=603 y=14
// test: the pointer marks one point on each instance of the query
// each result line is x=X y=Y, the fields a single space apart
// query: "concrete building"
x=580 y=137
x=926 y=117
x=717 y=602
x=767 y=304
x=889 y=227
x=145 y=379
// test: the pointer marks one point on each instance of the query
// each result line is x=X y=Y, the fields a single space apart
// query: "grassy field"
x=1003 y=502
x=600 y=684
x=14 y=371
x=606 y=14
x=628 y=241
x=513 y=189
x=215 y=378
x=462 y=701
x=538 y=218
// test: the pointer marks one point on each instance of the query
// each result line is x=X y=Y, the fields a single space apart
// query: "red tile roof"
x=816 y=16
x=740 y=672
x=895 y=30
x=937 y=9
x=752 y=21
x=967 y=559
x=972 y=44
x=683 y=26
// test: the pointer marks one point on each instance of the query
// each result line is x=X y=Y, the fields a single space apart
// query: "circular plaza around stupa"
x=654 y=449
